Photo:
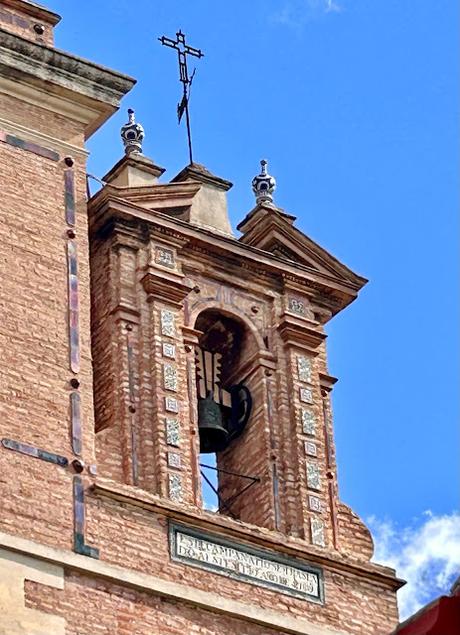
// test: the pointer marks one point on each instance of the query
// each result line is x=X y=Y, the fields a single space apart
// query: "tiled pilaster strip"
x=171 y=384
x=304 y=373
x=79 y=544
x=11 y=140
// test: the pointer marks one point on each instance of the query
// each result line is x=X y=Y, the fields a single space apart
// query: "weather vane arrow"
x=183 y=50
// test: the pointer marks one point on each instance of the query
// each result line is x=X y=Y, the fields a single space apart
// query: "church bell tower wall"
x=50 y=102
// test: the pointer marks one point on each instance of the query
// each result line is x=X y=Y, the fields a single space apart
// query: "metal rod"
x=219 y=498
x=219 y=469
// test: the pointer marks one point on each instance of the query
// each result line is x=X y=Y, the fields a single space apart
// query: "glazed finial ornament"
x=132 y=135
x=263 y=185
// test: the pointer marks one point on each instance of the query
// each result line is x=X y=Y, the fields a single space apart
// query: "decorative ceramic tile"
x=69 y=196
x=304 y=368
x=75 y=422
x=317 y=532
x=308 y=422
x=314 y=503
x=73 y=312
x=175 y=487
x=310 y=448
x=306 y=395
x=174 y=460
x=169 y=350
x=168 y=323
x=297 y=306
x=171 y=404
x=313 y=476
x=172 y=432
x=165 y=257
x=170 y=377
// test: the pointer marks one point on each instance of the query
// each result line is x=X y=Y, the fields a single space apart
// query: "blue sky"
x=354 y=103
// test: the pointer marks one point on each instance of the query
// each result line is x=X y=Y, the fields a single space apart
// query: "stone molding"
x=206 y=600
x=107 y=205
x=244 y=532
x=59 y=81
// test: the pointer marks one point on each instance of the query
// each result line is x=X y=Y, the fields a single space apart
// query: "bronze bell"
x=213 y=434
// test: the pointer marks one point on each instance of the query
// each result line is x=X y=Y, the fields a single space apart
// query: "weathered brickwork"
x=104 y=305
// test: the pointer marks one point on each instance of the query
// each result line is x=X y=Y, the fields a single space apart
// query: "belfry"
x=150 y=349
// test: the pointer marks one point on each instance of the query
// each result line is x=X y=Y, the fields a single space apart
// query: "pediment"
x=272 y=230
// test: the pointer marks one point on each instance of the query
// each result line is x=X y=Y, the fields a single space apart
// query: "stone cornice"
x=43 y=74
x=102 y=209
x=296 y=331
x=168 y=286
x=249 y=534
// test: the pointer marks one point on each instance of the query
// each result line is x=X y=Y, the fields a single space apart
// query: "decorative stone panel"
x=313 y=476
x=175 y=487
x=168 y=323
x=317 y=532
x=305 y=395
x=304 y=368
x=172 y=429
x=308 y=422
x=171 y=404
x=170 y=377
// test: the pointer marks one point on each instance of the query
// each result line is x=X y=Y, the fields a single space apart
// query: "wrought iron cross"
x=183 y=50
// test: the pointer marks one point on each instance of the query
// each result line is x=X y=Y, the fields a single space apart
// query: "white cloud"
x=426 y=554
x=295 y=13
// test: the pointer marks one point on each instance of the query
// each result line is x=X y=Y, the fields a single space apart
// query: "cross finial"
x=183 y=50
x=263 y=185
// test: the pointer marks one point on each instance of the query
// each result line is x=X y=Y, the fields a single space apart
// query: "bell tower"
x=205 y=343
x=143 y=338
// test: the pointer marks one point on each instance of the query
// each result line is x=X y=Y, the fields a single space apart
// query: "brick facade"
x=104 y=304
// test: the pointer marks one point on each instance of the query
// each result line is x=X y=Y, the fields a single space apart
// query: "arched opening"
x=224 y=405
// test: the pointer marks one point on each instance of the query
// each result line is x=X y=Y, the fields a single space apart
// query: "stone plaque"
x=310 y=448
x=170 y=377
x=172 y=432
x=304 y=368
x=306 y=395
x=169 y=350
x=174 y=460
x=296 y=305
x=225 y=557
x=317 y=532
x=175 y=487
x=165 y=257
x=314 y=503
x=308 y=422
x=171 y=404
x=313 y=476
x=168 y=323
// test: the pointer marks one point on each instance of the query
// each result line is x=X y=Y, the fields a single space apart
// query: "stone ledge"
x=150 y=584
x=245 y=533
